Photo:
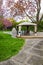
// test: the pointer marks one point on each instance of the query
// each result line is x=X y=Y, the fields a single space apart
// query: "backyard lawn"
x=9 y=46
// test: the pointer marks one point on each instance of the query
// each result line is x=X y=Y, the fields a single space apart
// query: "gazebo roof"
x=26 y=23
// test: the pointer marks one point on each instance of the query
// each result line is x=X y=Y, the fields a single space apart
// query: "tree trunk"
x=38 y=10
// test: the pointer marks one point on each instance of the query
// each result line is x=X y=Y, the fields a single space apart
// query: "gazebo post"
x=17 y=30
x=35 y=28
x=19 y=34
x=27 y=30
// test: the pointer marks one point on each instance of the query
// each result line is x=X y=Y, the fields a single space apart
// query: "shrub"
x=1 y=22
x=40 y=26
x=14 y=23
x=7 y=25
x=1 y=25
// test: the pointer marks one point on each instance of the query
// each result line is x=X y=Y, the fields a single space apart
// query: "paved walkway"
x=31 y=54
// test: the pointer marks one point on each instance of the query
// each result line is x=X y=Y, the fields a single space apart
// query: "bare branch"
x=30 y=17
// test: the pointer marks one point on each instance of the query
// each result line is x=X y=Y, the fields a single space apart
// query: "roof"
x=26 y=23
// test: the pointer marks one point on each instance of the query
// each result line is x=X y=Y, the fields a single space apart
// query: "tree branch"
x=30 y=17
x=38 y=10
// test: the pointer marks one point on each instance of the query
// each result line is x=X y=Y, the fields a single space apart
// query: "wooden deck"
x=37 y=35
x=29 y=37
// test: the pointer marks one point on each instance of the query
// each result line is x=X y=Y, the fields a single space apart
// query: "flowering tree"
x=30 y=8
x=1 y=11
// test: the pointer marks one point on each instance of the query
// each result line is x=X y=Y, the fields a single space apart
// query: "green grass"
x=9 y=46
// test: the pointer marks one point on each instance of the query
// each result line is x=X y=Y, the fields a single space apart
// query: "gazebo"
x=27 y=24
